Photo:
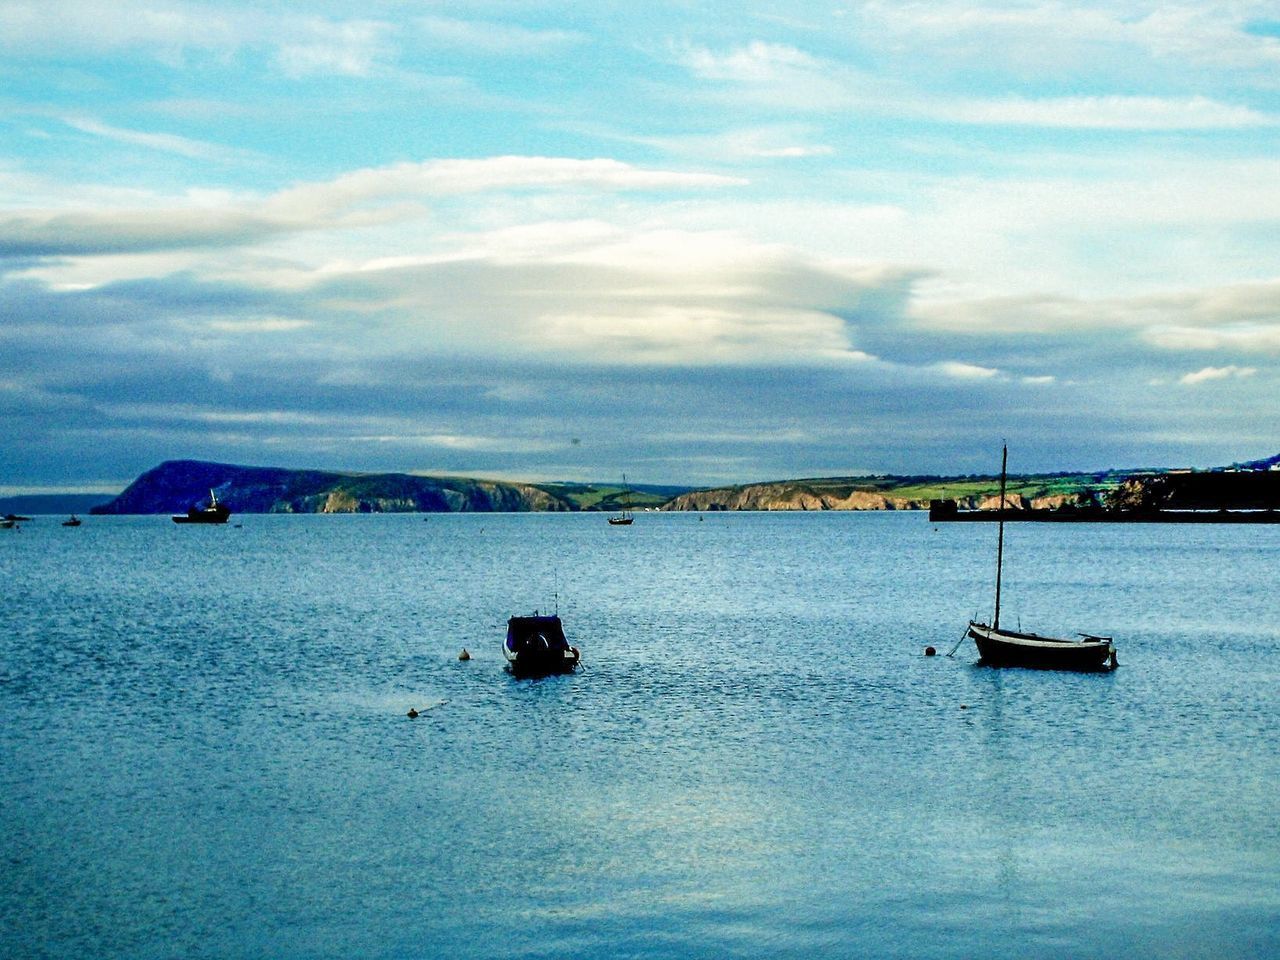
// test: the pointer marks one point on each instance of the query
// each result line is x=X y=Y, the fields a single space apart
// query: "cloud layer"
x=704 y=248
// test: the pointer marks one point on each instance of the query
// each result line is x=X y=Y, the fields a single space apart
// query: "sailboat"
x=625 y=518
x=1009 y=648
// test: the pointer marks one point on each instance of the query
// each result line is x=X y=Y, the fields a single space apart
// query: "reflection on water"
x=206 y=750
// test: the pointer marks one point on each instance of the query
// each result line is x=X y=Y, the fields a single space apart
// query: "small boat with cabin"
x=72 y=521
x=536 y=646
x=215 y=512
x=998 y=647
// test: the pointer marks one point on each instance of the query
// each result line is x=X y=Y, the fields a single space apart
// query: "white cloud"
x=783 y=142
x=778 y=75
x=166 y=27
x=357 y=199
x=965 y=371
x=1056 y=36
x=1107 y=113
x=347 y=48
x=163 y=142
x=174 y=32
x=773 y=74
x=756 y=63
x=1217 y=373
x=492 y=37
x=1244 y=338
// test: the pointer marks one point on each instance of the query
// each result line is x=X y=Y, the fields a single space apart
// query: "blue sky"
x=699 y=243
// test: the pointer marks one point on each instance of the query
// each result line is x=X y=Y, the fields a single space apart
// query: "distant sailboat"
x=1009 y=648
x=625 y=518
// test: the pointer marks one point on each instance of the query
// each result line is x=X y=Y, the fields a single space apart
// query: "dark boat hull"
x=1008 y=648
x=218 y=514
x=220 y=517
x=536 y=647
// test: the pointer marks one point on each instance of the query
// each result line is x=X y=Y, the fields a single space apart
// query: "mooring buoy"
x=929 y=651
x=412 y=714
x=464 y=655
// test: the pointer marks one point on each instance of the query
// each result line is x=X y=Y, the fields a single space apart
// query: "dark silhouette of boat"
x=72 y=521
x=625 y=518
x=1013 y=648
x=536 y=646
x=215 y=512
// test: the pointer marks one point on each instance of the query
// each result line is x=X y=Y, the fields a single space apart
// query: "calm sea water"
x=205 y=751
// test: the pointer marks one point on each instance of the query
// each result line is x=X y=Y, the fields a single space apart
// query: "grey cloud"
x=88 y=233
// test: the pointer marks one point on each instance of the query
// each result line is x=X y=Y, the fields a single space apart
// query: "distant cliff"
x=176 y=485
x=792 y=495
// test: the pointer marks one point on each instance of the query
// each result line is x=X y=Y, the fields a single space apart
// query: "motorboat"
x=536 y=646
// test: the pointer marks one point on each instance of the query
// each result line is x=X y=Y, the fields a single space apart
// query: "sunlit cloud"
x=1245 y=338
x=1109 y=113
x=1058 y=36
x=347 y=48
x=360 y=198
x=965 y=371
x=497 y=38
x=163 y=142
x=1216 y=373
x=776 y=75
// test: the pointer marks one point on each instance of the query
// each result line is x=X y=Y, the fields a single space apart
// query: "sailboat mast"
x=1004 y=463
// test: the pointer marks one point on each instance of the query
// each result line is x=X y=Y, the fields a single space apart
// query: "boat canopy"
x=523 y=628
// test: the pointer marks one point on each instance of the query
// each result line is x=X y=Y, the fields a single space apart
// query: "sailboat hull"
x=1008 y=648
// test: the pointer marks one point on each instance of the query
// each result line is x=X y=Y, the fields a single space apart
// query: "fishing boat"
x=215 y=512
x=72 y=521
x=998 y=647
x=625 y=518
x=536 y=646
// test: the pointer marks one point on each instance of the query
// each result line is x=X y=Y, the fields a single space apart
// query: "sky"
x=696 y=243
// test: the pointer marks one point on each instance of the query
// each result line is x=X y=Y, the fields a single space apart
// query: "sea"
x=206 y=749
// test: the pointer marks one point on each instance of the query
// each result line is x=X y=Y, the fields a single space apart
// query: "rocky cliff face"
x=788 y=496
x=176 y=485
